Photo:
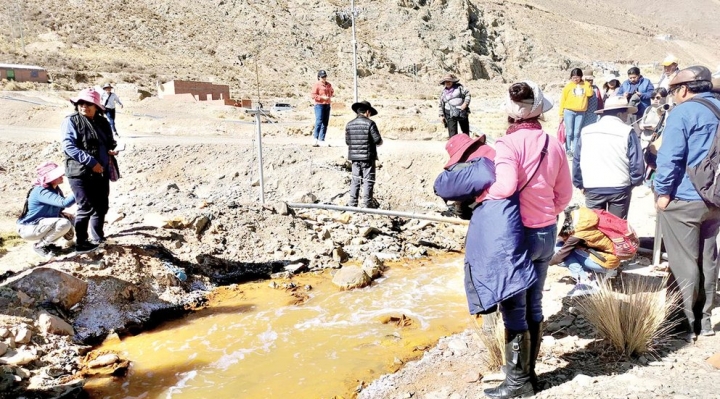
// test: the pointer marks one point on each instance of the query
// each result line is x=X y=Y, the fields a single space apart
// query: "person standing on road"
x=689 y=225
x=608 y=160
x=110 y=100
x=362 y=137
x=573 y=104
x=532 y=166
x=41 y=219
x=322 y=93
x=454 y=105
x=88 y=143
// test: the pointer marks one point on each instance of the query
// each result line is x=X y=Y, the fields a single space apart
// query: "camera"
x=666 y=107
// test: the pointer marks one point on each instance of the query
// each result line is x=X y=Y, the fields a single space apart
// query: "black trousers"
x=617 y=204
x=452 y=125
x=363 y=173
x=91 y=195
x=690 y=230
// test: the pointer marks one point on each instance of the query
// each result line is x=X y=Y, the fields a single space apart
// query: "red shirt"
x=322 y=89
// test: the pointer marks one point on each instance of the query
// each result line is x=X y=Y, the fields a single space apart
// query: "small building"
x=194 y=91
x=23 y=73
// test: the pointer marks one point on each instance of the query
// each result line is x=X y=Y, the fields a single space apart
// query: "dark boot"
x=517 y=368
x=536 y=333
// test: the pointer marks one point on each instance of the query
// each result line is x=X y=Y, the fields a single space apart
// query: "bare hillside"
x=400 y=42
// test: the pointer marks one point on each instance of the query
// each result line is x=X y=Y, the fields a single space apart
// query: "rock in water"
x=350 y=277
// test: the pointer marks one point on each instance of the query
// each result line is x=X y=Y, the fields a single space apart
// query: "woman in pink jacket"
x=533 y=165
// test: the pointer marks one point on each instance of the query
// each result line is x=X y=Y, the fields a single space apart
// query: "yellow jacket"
x=575 y=97
x=587 y=235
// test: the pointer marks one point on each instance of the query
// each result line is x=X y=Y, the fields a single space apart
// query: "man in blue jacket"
x=689 y=225
x=637 y=86
x=608 y=160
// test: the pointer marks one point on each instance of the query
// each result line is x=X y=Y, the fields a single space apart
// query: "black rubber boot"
x=536 y=333
x=517 y=368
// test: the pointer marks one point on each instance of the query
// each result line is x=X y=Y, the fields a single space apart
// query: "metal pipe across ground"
x=383 y=212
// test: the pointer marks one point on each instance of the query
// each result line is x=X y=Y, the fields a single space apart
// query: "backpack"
x=704 y=175
x=625 y=240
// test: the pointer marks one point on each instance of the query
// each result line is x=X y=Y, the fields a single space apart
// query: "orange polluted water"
x=253 y=342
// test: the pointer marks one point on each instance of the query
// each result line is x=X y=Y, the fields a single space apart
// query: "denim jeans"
x=527 y=306
x=573 y=123
x=581 y=265
x=322 y=117
x=110 y=116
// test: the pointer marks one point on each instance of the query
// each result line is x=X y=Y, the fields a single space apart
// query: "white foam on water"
x=177 y=388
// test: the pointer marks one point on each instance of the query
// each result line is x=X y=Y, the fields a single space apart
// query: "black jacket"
x=362 y=137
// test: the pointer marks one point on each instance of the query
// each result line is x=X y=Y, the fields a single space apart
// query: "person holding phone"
x=637 y=90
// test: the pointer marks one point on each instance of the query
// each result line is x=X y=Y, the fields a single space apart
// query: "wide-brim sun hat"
x=449 y=78
x=615 y=103
x=462 y=146
x=107 y=86
x=366 y=105
x=48 y=172
x=88 y=95
x=528 y=109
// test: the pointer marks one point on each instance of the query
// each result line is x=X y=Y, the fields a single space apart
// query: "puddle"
x=257 y=342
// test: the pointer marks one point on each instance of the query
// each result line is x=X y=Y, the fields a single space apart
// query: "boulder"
x=7 y=378
x=104 y=360
x=51 y=324
x=373 y=266
x=339 y=255
x=23 y=335
x=48 y=284
x=350 y=277
x=3 y=348
x=19 y=358
x=368 y=231
x=200 y=223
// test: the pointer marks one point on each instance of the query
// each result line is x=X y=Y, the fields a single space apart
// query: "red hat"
x=47 y=172
x=462 y=148
x=88 y=95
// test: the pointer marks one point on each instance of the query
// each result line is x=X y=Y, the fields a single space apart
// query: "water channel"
x=257 y=342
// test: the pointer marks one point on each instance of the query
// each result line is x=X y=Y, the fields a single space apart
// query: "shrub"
x=491 y=331
x=635 y=318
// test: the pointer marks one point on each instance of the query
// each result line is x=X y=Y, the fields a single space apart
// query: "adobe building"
x=182 y=90
x=23 y=73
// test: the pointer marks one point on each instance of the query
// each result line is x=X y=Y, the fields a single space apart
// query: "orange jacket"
x=322 y=89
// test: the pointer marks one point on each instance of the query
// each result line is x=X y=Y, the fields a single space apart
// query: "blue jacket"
x=45 y=202
x=688 y=135
x=497 y=264
x=644 y=87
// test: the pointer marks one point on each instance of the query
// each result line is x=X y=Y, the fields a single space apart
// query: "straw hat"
x=449 y=78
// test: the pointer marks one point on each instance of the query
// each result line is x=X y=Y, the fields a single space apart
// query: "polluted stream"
x=254 y=341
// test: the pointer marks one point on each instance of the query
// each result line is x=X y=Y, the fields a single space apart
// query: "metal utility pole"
x=354 y=44
x=257 y=111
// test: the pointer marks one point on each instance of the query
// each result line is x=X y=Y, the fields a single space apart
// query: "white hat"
x=618 y=102
x=526 y=109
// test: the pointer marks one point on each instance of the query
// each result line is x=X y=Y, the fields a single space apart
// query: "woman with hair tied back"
x=531 y=164
x=573 y=104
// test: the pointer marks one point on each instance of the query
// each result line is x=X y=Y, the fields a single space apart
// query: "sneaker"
x=43 y=251
x=372 y=204
x=582 y=290
x=85 y=247
x=99 y=242
x=315 y=144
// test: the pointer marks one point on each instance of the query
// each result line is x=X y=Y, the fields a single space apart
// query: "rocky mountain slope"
x=281 y=43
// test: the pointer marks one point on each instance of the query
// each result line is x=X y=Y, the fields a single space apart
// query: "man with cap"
x=109 y=101
x=454 y=105
x=88 y=143
x=322 y=93
x=608 y=162
x=670 y=69
x=689 y=225
x=362 y=137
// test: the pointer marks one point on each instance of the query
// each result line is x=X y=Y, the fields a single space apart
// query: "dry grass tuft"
x=635 y=318
x=491 y=331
